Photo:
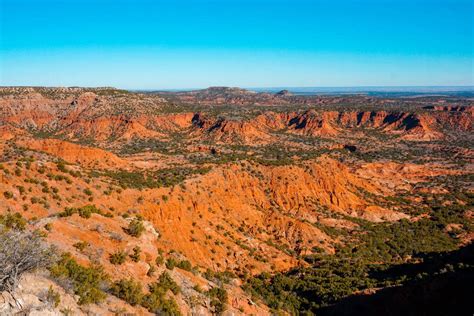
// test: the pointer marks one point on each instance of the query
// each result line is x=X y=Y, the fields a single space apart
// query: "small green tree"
x=53 y=297
x=87 y=281
x=135 y=256
x=8 y=194
x=128 y=290
x=185 y=265
x=135 y=228
x=219 y=297
x=118 y=257
x=13 y=221
x=171 y=263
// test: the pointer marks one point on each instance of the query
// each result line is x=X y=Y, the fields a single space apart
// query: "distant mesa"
x=225 y=90
x=284 y=93
x=350 y=148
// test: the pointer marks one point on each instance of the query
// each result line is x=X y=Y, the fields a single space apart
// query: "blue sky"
x=145 y=44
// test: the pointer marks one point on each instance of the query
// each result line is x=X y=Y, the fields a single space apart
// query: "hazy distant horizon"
x=349 y=89
x=341 y=89
x=293 y=89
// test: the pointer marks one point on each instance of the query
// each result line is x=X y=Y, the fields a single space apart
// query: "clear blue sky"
x=248 y=43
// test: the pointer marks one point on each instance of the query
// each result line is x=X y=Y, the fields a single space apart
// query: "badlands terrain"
x=227 y=201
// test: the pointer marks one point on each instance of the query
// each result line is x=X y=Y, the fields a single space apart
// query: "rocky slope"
x=100 y=118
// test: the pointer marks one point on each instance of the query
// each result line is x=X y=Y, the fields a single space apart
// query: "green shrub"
x=8 y=194
x=118 y=257
x=151 y=271
x=171 y=263
x=160 y=305
x=68 y=211
x=219 y=297
x=165 y=283
x=185 y=265
x=84 y=212
x=13 y=221
x=53 y=297
x=135 y=228
x=61 y=165
x=219 y=277
x=21 y=189
x=88 y=210
x=81 y=245
x=156 y=301
x=86 y=281
x=128 y=290
x=135 y=256
x=159 y=260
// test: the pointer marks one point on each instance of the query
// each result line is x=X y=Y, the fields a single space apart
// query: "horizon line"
x=241 y=87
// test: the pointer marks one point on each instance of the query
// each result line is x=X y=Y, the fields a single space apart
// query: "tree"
x=219 y=297
x=135 y=256
x=86 y=281
x=13 y=221
x=135 y=228
x=118 y=257
x=21 y=252
x=8 y=194
x=128 y=290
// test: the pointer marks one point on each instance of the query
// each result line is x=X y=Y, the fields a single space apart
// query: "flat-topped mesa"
x=223 y=91
x=284 y=93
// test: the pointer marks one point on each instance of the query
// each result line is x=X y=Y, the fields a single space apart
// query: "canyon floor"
x=227 y=201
